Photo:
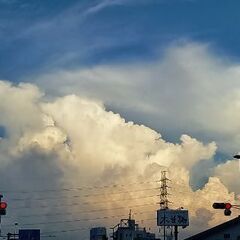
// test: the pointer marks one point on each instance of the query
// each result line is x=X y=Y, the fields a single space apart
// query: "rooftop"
x=216 y=229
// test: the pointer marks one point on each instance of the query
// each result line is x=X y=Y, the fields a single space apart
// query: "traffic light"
x=227 y=212
x=3 y=206
x=225 y=206
x=2 y=212
x=219 y=205
x=237 y=156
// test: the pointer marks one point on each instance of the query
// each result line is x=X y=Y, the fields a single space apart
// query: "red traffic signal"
x=226 y=206
x=3 y=205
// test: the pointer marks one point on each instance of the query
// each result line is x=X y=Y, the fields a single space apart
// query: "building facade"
x=127 y=229
x=98 y=233
x=226 y=231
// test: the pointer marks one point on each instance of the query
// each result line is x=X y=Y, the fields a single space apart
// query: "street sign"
x=29 y=234
x=170 y=217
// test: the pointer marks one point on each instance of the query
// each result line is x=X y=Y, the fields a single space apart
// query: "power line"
x=76 y=188
x=87 y=211
x=147 y=219
x=84 y=203
x=79 y=196
x=88 y=228
x=77 y=220
x=65 y=231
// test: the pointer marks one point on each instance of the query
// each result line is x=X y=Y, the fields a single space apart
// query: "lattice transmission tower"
x=164 y=191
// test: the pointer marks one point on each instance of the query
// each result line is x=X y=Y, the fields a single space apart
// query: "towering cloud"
x=189 y=89
x=71 y=141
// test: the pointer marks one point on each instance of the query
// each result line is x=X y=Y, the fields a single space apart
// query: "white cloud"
x=188 y=90
x=229 y=173
x=74 y=141
x=101 y=5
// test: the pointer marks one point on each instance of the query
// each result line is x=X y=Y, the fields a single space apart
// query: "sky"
x=99 y=92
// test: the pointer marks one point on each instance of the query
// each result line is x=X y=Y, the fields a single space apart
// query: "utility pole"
x=176 y=232
x=3 y=206
x=1 y=196
x=164 y=197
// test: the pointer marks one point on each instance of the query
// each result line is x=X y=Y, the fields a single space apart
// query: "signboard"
x=29 y=234
x=170 y=217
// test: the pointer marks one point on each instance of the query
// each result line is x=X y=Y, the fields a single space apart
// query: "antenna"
x=130 y=214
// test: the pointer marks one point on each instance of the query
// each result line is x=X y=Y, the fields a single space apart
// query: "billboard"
x=170 y=217
x=29 y=234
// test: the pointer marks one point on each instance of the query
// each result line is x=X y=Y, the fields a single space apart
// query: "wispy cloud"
x=101 y=5
x=108 y=3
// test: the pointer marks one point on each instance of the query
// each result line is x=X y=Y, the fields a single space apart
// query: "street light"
x=15 y=229
x=237 y=156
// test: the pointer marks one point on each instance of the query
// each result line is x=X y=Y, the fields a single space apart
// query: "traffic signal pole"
x=1 y=196
x=3 y=206
x=176 y=232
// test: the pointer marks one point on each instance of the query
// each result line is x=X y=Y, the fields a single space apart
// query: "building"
x=229 y=230
x=98 y=233
x=127 y=229
x=25 y=234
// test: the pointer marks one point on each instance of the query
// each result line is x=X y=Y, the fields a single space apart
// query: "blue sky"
x=40 y=36
x=168 y=69
x=43 y=37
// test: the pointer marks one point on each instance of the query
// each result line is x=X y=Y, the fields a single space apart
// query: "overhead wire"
x=65 y=231
x=87 y=228
x=82 y=188
x=84 y=196
x=79 y=196
x=86 y=211
x=76 y=220
x=83 y=203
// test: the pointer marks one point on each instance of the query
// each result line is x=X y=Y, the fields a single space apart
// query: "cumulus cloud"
x=72 y=141
x=229 y=173
x=189 y=89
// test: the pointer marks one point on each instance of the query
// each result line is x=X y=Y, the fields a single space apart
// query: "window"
x=226 y=236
